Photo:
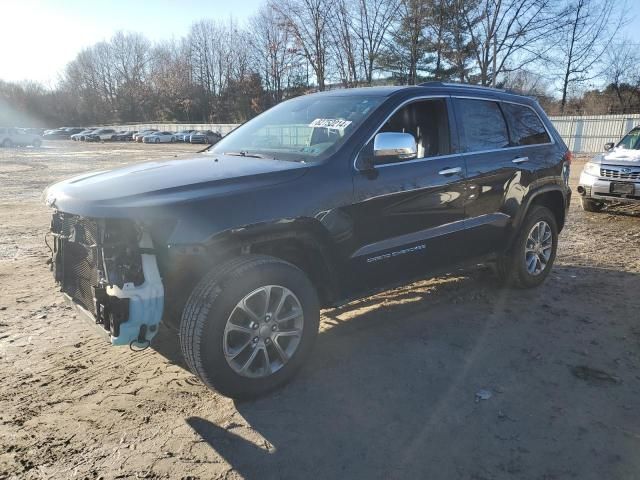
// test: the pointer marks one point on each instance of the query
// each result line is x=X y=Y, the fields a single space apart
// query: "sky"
x=42 y=36
x=39 y=37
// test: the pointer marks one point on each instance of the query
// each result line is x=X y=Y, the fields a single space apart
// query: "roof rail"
x=436 y=83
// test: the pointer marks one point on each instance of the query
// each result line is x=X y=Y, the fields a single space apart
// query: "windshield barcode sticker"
x=330 y=123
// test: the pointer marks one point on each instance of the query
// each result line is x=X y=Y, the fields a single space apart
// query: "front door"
x=409 y=215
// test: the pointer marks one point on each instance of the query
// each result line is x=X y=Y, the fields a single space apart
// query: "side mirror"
x=608 y=146
x=393 y=147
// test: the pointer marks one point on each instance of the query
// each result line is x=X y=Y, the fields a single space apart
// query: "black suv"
x=322 y=199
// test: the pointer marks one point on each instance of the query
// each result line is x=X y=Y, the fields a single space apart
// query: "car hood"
x=619 y=156
x=151 y=186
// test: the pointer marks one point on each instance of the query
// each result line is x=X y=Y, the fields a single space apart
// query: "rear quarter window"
x=481 y=124
x=525 y=125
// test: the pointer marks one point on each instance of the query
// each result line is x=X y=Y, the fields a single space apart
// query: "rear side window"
x=525 y=125
x=481 y=124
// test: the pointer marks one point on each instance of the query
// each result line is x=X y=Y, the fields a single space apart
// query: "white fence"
x=582 y=134
x=589 y=133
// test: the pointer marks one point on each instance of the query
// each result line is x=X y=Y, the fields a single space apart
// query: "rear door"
x=531 y=141
x=495 y=172
x=408 y=216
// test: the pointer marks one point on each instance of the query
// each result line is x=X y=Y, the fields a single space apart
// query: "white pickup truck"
x=612 y=176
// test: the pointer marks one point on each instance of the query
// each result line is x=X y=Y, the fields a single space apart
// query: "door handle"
x=520 y=160
x=450 y=171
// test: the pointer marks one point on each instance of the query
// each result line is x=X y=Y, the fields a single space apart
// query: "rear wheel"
x=249 y=325
x=7 y=143
x=531 y=257
x=36 y=143
x=589 y=205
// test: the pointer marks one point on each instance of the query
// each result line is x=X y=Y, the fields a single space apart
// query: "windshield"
x=303 y=129
x=631 y=140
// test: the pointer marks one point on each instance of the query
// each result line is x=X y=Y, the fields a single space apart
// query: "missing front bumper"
x=112 y=283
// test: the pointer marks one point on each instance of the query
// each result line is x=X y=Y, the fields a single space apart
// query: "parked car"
x=35 y=131
x=62 y=133
x=124 y=136
x=140 y=135
x=322 y=199
x=205 y=136
x=159 y=137
x=82 y=136
x=184 y=135
x=613 y=176
x=100 y=135
x=10 y=137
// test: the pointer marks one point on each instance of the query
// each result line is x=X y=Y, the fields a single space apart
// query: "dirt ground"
x=451 y=378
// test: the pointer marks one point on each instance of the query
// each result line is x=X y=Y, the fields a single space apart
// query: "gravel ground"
x=452 y=378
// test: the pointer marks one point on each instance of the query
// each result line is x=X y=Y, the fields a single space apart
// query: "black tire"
x=211 y=303
x=7 y=143
x=589 y=205
x=512 y=268
x=37 y=143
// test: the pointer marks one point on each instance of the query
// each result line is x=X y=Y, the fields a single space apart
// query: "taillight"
x=567 y=157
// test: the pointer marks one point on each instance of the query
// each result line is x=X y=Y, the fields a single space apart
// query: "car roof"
x=435 y=87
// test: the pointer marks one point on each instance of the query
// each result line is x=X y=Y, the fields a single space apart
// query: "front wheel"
x=36 y=143
x=249 y=325
x=589 y=205
x=531 y=257
x=7 y=143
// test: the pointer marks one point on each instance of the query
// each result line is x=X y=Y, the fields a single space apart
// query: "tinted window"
x=526 y=127
x=428 y=122
x=481 y=124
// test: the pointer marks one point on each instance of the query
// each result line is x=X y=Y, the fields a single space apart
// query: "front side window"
x=481 y=124
x=428 y=122
x=526 y=127
x=308 y=128
x=631 y=140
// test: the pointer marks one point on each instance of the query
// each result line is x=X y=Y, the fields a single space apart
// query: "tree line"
x=227 y=72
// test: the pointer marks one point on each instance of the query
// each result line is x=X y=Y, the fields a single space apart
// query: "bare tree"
x=272 y=52
x=373 y=20
x=622 y=72
x=308 y=23
x=588 y=31
x=344 y=44
x=507 y=35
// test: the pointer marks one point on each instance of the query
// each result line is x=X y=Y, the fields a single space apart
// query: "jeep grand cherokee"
x=320 y=200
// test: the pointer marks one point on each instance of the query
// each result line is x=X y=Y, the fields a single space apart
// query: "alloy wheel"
x=538 y=248
x=263 y=331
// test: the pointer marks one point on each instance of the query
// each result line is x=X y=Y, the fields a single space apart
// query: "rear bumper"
x=599 y=189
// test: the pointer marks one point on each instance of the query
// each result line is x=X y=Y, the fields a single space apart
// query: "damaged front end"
x=107 y=269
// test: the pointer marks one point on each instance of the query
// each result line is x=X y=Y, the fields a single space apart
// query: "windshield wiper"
x=244 y=154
